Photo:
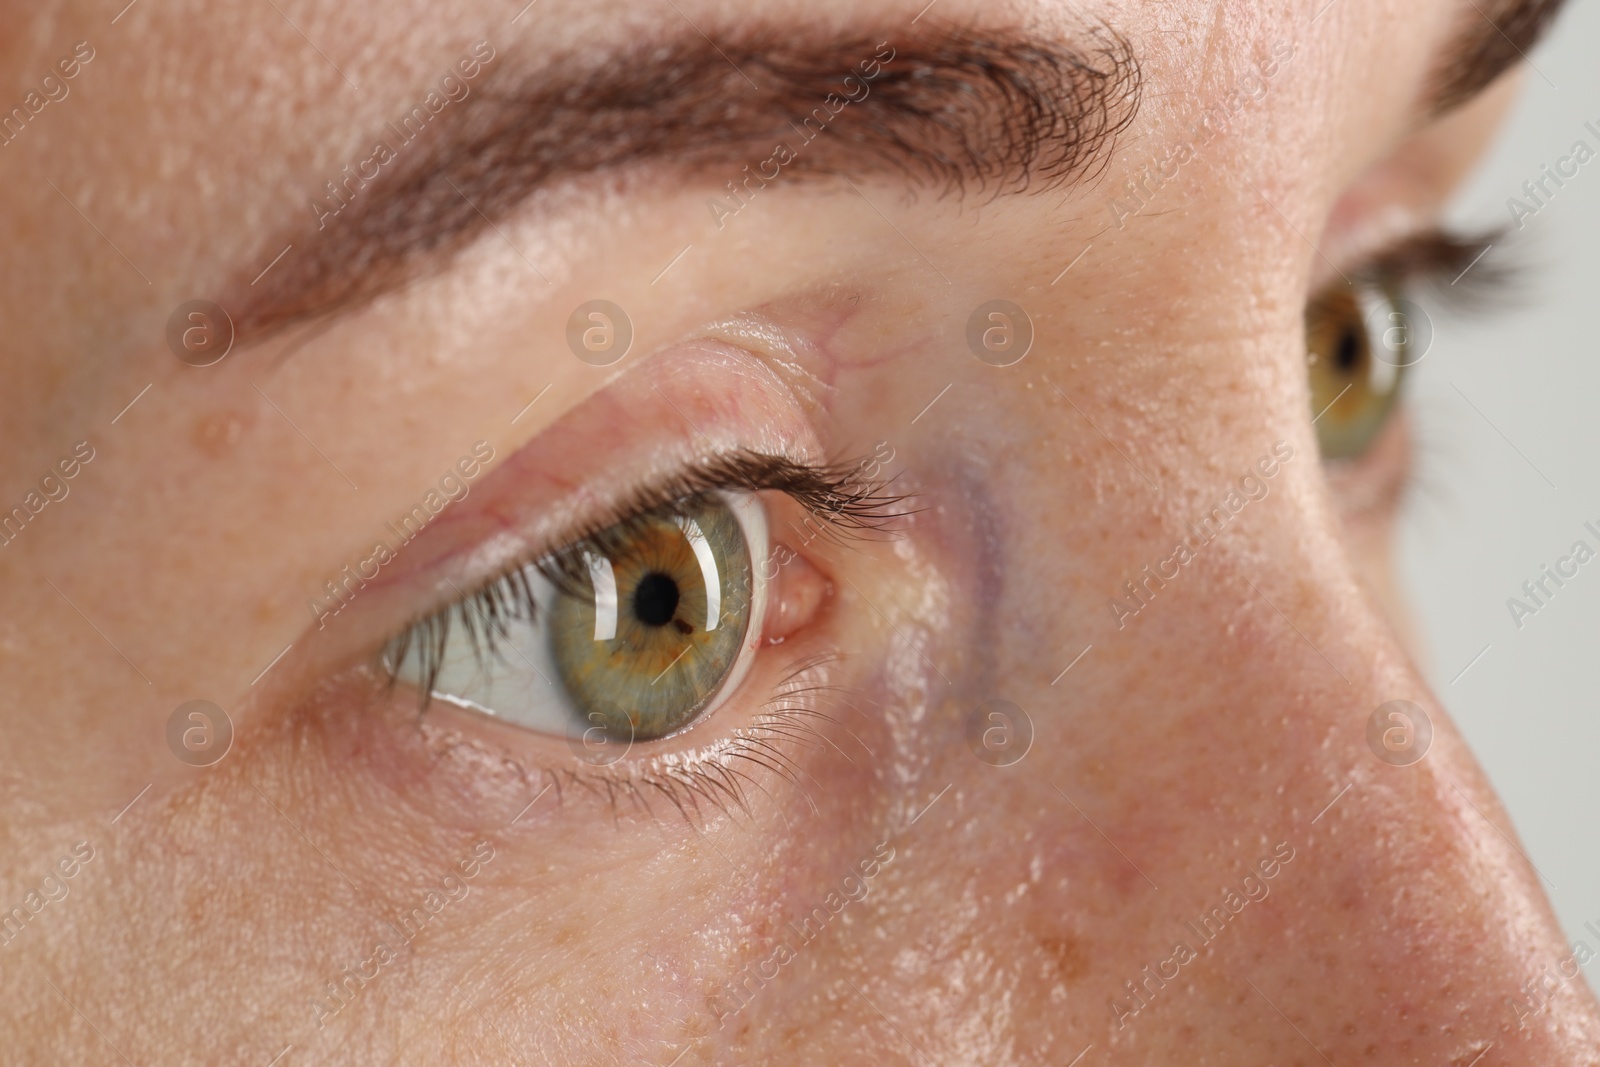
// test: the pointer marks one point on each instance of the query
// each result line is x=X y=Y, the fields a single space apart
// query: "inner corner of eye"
x=652 y=623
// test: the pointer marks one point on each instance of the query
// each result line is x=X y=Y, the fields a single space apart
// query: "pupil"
x=655 y=600
x=1349 y=351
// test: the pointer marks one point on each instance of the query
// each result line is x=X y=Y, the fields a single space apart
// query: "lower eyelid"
x=464 y=770
x=1370 y=486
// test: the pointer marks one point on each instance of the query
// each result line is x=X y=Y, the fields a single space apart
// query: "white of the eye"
x=752 y=516
x=1388 y=346
x=605 y=596
x=708 y=570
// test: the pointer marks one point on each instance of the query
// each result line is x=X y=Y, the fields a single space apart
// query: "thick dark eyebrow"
x=1494 y=37
x=951 y=107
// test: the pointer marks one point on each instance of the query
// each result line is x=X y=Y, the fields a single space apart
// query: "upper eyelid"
x=840 y=491
x=848 y=502
x=629 y=437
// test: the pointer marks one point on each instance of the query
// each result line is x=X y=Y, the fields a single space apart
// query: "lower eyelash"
x=719 y=780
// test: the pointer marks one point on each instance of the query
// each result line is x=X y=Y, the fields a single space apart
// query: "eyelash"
x=1454 y=264
x=848 y=502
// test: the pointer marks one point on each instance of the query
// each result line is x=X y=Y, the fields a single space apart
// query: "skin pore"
x=825 y=868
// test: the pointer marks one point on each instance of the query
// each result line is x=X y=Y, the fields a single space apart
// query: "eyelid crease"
x=847 y=502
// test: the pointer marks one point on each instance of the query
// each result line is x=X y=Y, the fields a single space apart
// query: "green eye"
x=651 y=632
x=1359 y=342
x=645 y=625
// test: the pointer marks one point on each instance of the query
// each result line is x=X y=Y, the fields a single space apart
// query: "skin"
x=1007 y=905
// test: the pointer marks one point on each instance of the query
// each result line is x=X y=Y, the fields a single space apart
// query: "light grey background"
x=1482 y=516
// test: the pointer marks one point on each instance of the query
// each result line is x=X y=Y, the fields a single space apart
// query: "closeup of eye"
x=1358 y=345
x=635 y=630
x=1364 y=333
x=642 y=625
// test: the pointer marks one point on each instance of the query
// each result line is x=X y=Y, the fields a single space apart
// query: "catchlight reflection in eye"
x=1359 y=342
x=644 y=628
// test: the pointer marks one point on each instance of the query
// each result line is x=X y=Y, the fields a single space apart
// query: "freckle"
x=683 y=627
x=215 y=435
x=1068 y=955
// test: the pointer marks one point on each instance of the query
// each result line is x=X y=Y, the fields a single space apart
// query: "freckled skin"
x=841 y=865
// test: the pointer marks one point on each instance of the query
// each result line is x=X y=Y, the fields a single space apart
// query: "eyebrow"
x=950 y=107
x=1495 y=37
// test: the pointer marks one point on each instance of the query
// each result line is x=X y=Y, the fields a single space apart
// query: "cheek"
x=1367 y=495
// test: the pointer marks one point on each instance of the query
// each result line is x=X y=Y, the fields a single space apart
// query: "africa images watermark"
x=1541 y=989
x=52 y=890
x=809 y=129
x=53 y=488
x=1565 y=569
x=454 y=485
x=1140 y=192
x=453 y=87
x=1579 y=154
x=53 y=89
x=1153 y=978
x=1252 y=486
x=452 y=888
x=737 y=994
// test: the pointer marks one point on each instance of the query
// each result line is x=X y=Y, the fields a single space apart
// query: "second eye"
x=1359 y=341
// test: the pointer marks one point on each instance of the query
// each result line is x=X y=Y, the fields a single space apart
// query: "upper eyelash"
x=846 y=500
x=1443 y=258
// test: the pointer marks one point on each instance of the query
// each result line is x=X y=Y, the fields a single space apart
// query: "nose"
x=1191 y=800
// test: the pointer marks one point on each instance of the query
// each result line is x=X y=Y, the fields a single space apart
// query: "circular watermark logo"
x=999 y=332
x=1399 y=733
x=601 y=744
x=199 y=733
x=199 y=332
x=599 y=332
x=999 y=733
x=1399 y=329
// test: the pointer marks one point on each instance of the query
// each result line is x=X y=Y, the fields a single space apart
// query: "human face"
x=1037 y=725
